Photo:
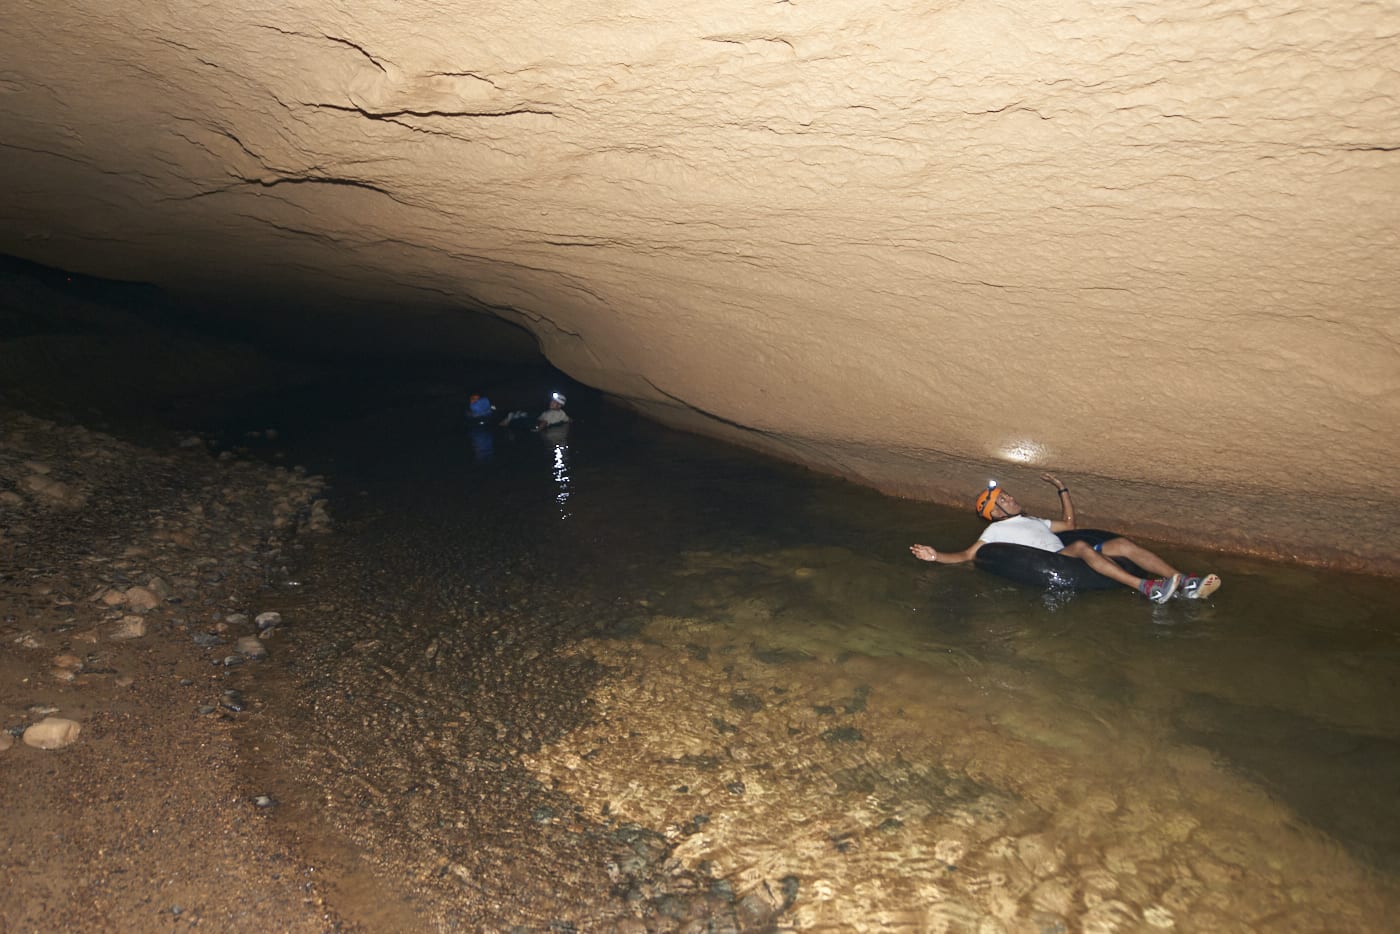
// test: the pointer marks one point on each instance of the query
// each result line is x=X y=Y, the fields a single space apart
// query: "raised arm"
x=1066 y=520
x=925 y=553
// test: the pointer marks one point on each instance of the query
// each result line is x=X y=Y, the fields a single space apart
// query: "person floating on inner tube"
x=1009 y=523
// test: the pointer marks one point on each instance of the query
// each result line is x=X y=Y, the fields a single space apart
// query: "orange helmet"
x=987 y=501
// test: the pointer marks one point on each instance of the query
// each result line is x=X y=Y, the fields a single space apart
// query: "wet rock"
x=268 y=620
x=857 y=702
x=762 y=906
x=52 y=733
x=6 y=741
x=320 y=520
x=251 y=647
x=843 y=734
x=206 y=639
x=781 y=656
x=1044 y=922
x=54 y=492
x=130 y=627
x=141 y=599
x=743 y=700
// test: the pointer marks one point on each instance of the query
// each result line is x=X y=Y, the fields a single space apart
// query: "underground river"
x=620 y=678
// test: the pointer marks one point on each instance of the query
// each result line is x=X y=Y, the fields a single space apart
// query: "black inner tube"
x=1049 y=570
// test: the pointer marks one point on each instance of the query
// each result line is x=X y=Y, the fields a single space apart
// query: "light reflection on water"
x=560 y=474
x=790 y=695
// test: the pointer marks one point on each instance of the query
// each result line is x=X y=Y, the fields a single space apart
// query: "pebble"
x=251 y=647
x=52 y=733
x=269 y=619
x=130 y=627
x=142 y=598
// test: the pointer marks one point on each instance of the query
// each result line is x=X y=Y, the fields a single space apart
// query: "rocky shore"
x=133 y=584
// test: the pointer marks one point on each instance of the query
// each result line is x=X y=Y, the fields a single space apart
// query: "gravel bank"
x=128 y=577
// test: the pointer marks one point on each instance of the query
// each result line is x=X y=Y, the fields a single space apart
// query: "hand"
x=923 y=552
x=1051 y=478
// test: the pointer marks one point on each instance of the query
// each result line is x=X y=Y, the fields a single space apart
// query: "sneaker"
x=1197 y=587
x=1160 y=589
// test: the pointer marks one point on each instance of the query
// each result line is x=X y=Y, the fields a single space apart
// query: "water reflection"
x=483 y=440
x=557 y=438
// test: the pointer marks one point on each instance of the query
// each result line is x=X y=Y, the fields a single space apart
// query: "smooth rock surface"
x=52 y=733
x=1149 y=244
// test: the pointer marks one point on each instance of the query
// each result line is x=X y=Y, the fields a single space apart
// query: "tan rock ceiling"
x=1154 y=244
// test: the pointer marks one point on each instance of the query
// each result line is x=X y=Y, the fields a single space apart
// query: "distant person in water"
x=480 y=408
x=555 y=414
x=549 y=418
x=1009 y=523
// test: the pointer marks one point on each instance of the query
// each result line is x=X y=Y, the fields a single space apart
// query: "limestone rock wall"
x=1154 y=243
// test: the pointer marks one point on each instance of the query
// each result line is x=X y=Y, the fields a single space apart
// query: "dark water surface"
x=624 y=673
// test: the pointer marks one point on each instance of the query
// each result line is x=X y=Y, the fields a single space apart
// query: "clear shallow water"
x=626 y=673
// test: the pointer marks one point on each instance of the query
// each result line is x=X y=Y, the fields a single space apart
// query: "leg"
x=1158 y=589
x=1149 y=562
x=1110 y=569
x=1193 y=586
